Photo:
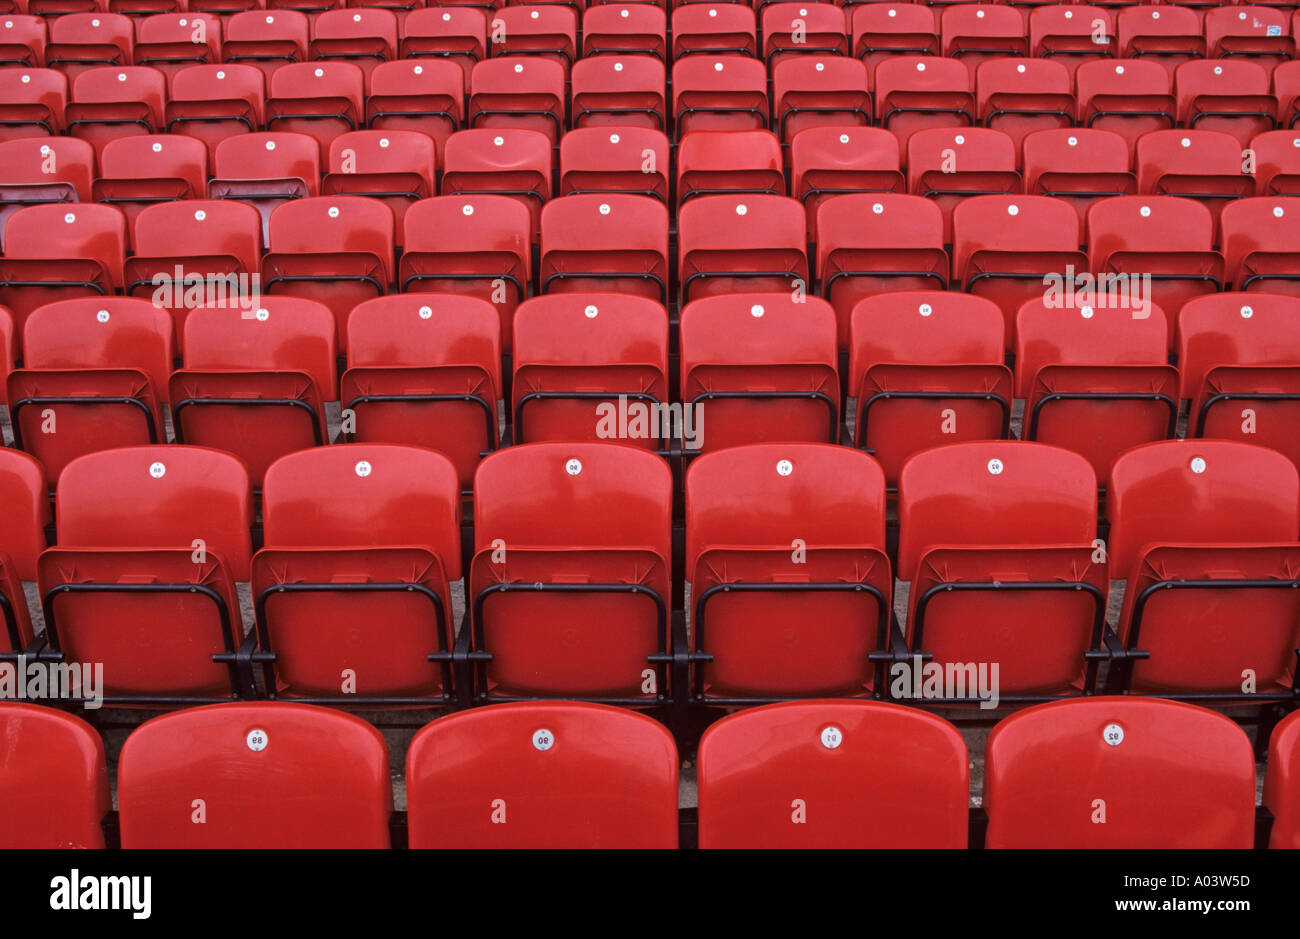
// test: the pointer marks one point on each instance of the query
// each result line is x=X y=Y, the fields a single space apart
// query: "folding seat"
x=1007 y=247
x=270 y=775
x=735 y=244
x=266 y=170
x=266 y=39
x=1258 y=33
x=996 y=539
x=364 y=36
x=54 y=780
x=727 y=92
x=111 y=102
x=926 y=369
x=494 y=778
x=884 y=30
x=902 y=250
x=313 y=8
x=55 y=251
x=631 y=160
x=22 y=486
x=213 y=102
x=337 y=250
x=1094 y=377
x=569 y=586
x=508 y=161
x=43 y=169
x=907 y=786
x=543 y=30
x=255 y=381
x=1072 y=34
x=171 y=41
x=714 y=29
x=225 y=8
x=144 y=170
x=32 y=102
x=760 y=367
x=827 y=161
x=579 y=356
x=1239 y=355
x=1170 y=35
x=358 y=533
x=1286 y=87
x=475 y=245
x=606 y=242
x=395 y=166
x=1281 y=786
x=79 y=41
x=1260 y=240
x=801 y=29
x=915 y=92
x=54 y=8
x=519 y=92
x=425 y=371
x=1019 y=97
x=1204 y=165
x=1167 y=774
x=1277 y=163
x=723 y=161
x=946 y=165
x=1205 y=533
x=746 y=506
x=427 y=97
x=22 y=41
x=456 y=33
x=1231 y=95
x=1167 y=238
x=977 y=32
x=1130 y=97
x=320 y=99
x=625 y=29
x=623 y=90
x=818 y=91
x=94 y=377
x=1079 y=165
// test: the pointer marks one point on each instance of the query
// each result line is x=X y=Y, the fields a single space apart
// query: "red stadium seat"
x=710 y=162
x=54 y=251
x=22 y=486
x=1260 y=34
x=1277 y=163
x=719 y=92
x=926 y=369
x=320 y=99
x=456 y=33
x=996 y=539
x=1231 y=95
x=544 y=30
x=135 y=172
x=623 y=91
x=1239 y=355
x=510 y=161
x=803 y=29
x=43 y=169
x=1079 y=165
x=978 y=32
x=145 y=582
x=255 y=775
x=903 y=252
x=733 y=244
x=477 y=245
x=79 y=41
x=817 y=91
x=254 y=381
x=397 y=167
x=171 y=41
x=915 y=92
x=760 y=367
x=542 y=775
x=1130 y=97
x=1282 y=783
x=827 y=161
x=714 y=29
x=1020 y=97
x=53 y=782
x=1199 y=164
x=32 y=102
x=22 y=41
x=213 y=102
x=778 y=533
x=1261 y=244
x=266 y=39
x=606 y=242
x=1286 y=87
x=365 y=37
x=1205 y=533
x=519 y=92
x=884 y=30
x=577 y=355
x=358 y=533
x=425 y=371
x=569 y=587
x=1094 y=376
x=110 y=102
x=1006 y=247
x=833 y=774
x=1167 y=34
x=633 y=160
x=1072 y=33
x=265 y=170
x=946 y=165
x=335 y=249
x=1085 y=774
x=425 y=96
x=624 y=29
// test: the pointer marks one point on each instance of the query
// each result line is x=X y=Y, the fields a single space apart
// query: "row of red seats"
x=819 y=774
x=925 y=369
x=573 y=587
